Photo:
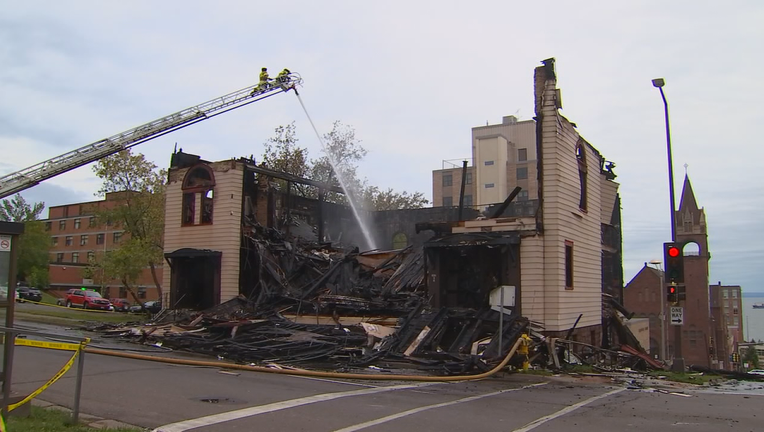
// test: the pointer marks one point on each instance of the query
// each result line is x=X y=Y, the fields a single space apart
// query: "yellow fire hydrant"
x=524 y=349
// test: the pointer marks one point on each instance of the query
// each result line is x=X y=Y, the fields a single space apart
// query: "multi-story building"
x=727 y=320
x=77 y=238
x=503 y=157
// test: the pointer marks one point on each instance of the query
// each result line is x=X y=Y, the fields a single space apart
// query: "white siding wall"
x=224 y=234
x=563 y=220
x=532 y=278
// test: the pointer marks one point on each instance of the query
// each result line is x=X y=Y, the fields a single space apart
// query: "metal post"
x=678 y=364
x=463 y=186
x=78 y=386
x=501 y=321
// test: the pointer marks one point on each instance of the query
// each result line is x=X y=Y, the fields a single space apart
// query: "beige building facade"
x=562 y=257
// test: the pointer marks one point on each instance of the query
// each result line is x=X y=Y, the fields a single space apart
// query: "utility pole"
x=678 y=364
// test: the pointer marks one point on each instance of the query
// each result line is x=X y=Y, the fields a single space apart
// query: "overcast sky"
x=412 y=78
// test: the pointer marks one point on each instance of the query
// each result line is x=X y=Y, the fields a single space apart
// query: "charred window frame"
x=199 y=181
x=568 y=265
x=582 y=173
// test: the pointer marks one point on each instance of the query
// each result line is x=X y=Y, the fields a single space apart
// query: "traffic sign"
x=677 y=315
x=5 y=243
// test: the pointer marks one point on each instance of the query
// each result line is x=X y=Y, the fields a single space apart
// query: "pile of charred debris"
x=323 y=307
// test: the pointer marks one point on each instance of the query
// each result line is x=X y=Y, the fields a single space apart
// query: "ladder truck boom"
x=33 y=175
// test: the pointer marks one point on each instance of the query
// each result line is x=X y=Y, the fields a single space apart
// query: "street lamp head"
x=659 y=82
x=656 y=262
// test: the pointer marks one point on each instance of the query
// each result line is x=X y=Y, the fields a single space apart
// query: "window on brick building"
x=448 y=201
x=468 y=178
x=75 y=257
x=522 y=155
x=92 y=221
x=725 y=294
x=76 y=224
x=117 y=237
x=91 y=256
x=100 y=238
x=68 y=240
x=734 y=293
x=59 y=257
x=142 y=292
x=448 y=180
x=54 y=241
x=83 y=239
x=467 y=200
x=523 y=195
x=522 y=173
x=61 y=225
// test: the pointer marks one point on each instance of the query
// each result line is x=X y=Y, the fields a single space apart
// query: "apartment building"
x=503 y=157
x=77 y=238
x=727 y=320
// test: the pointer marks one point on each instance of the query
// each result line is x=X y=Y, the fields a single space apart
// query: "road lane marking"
x=392 y=417
x=538 y=422
x=277 y=406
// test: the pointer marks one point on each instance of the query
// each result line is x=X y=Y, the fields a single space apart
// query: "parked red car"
x=86 y=299
x=120 y=304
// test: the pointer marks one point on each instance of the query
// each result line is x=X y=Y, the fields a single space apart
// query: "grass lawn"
x=60 y=315
x=47 y=298
x=49 y=420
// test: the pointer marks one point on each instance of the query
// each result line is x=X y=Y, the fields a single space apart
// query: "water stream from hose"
x=343 y=182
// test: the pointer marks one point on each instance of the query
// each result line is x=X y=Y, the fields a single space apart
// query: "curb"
x=87 y=419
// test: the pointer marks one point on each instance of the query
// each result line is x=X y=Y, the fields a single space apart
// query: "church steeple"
x=689 y=217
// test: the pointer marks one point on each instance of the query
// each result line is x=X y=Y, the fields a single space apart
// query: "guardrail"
x=77 y=346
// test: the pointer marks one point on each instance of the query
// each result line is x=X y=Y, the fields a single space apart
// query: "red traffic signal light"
x=674 y=262
x=672 y=289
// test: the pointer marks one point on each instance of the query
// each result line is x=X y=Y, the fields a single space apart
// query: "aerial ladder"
x=33 y=175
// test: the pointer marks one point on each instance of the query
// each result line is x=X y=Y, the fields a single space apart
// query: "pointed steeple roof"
x=687 y=202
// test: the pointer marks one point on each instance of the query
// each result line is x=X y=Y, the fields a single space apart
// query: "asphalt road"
x=177 y=398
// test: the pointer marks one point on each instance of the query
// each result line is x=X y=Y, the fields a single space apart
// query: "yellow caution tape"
x=53 y=379
x=49 y=345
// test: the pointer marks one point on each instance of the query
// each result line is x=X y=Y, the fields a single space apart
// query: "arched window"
x=691 y=249
x=582 y=170
x=400 y=241
x=198 y=186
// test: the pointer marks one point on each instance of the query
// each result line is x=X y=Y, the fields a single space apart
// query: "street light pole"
x=660 y=82
x=678 y=364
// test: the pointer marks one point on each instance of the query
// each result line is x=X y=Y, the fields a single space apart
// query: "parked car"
x=756 y=371
x=24 y=293
x=86 y=299
x=120 y=304
x=151 y=306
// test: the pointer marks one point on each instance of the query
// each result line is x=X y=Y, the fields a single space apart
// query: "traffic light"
x=672 y=256
x=671 y=294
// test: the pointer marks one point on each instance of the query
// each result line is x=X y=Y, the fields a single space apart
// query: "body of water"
x=753 y=319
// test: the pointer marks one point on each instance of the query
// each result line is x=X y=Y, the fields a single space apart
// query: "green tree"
x=390 y=200
x=140 y=212
x=33 y=258
x=751 y=357
x=283 y=154
x=17 y=209
x=343 y=151
x=126 y=264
